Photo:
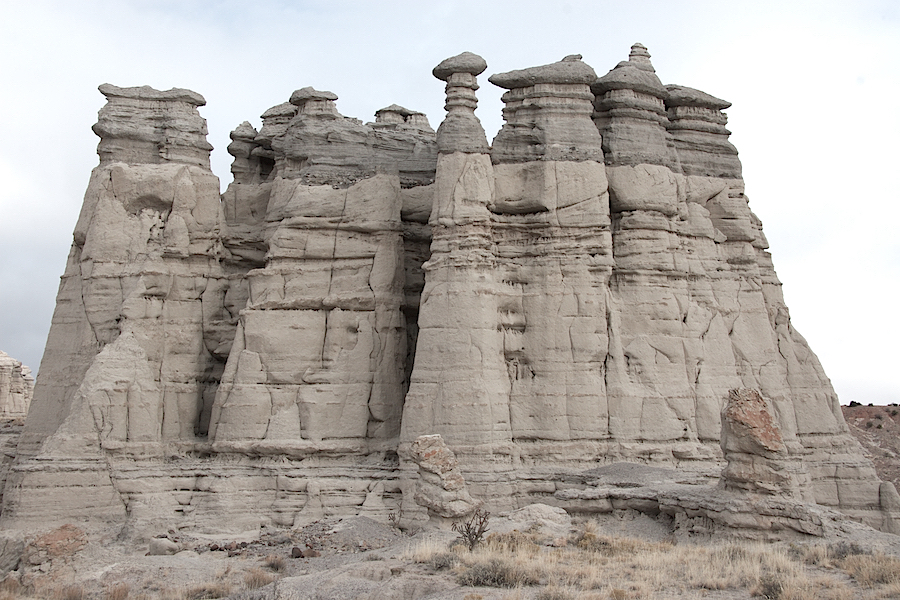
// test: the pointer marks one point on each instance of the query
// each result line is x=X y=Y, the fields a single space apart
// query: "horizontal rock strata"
x=584 y=291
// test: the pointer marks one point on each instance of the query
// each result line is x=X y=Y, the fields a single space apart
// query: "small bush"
x=206 y=591
x=471 y=532
x=257 y=578
x=770 y=587
x=554 y=593
x=894 y=412
x=871 y=570
x=495 y=572
x=513 y=542
x=71 y=592
x=854 y=403
x=275 y=563
x=842 y=550
x=879 y=416
x=443 y=560
x=615 y=546
x=118 y=591
x=10 y=587
x=868 y=424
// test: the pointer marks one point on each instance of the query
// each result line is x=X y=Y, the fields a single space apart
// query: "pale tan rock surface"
x=583 y=292
x=16 y=388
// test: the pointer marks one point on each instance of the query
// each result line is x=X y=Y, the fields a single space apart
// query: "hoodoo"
x=589 y=289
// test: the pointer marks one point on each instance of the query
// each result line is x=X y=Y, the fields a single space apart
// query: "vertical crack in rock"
x=586 y=289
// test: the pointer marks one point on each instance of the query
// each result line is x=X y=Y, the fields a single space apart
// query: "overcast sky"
x=814 y=87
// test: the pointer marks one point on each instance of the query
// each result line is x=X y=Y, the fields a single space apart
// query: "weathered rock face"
x=16 y=388
x=586 y=290
x=758 y=461
x=440 y=488
x=126 y=364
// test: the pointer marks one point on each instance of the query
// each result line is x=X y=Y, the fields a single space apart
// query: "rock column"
x=319 y=349
x=127 y=366
x=459 y=386
x=551 y=227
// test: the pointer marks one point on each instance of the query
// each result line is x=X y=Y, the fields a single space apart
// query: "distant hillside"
x=878 y=429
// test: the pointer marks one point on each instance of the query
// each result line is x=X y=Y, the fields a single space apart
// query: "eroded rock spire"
x=461 y=131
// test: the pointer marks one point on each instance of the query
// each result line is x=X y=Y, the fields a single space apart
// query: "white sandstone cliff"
x=584 y=291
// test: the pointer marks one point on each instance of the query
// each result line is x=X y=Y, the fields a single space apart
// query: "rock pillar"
x=127 y=366
x=459 y=386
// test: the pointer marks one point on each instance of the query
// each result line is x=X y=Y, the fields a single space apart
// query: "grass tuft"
x=275 y=563
x=495 y=572
x=872 y=570
x=206 y=591
x=256 y=578
x=119 y=591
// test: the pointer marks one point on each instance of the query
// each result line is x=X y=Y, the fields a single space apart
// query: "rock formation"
x=16 y=388
x=758 y=461
x=440 y=488
x=586 y=290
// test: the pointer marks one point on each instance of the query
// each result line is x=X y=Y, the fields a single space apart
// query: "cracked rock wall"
x=586 y=290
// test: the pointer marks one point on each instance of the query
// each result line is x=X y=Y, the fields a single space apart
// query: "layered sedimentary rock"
x=16 y=387
x=520 y=254
x=583 y=291
x=758 y=461
x=210 y=352
x=126 y=362
x=440 y=488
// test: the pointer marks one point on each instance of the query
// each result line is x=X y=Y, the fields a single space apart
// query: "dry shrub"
x=71 y=592
x=514 y=542
x=842 y=550
x=425 y=551
x=617 y=594
x=872 y=570
x=471 y=532
x=816 y=556
x=495 y=572
x=443 y=560
x=801 y=587
x=206 y=591
x=554 y=593
x=117 y=591
x=274 y=563
x=770 y=587
x=617 y=546
x=257 y=578
x=10 y=588
x=891 y=591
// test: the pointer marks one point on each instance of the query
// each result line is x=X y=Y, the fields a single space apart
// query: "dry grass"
x=275 y=563
x=256 y=578
x=71 y=592
x=872 y=570
x=205 y=591
x=10 y=588
x=492 y=571
x=118 y=591
x=594 y=566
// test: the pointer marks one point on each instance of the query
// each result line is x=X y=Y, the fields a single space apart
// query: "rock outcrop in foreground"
x=587 y=290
